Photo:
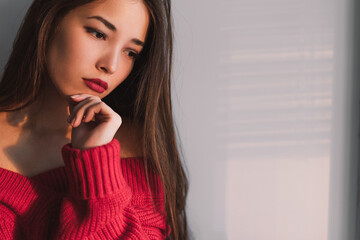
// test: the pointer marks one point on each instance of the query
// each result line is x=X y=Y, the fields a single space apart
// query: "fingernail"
x=75 y=96
x=73 y=122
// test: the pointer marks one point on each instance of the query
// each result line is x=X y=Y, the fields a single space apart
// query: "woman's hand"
x=87 y=133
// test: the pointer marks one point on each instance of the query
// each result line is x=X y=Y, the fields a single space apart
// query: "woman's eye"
x=95 y=33
x=132 y=54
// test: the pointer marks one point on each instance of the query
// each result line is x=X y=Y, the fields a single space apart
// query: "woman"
x=84 y=78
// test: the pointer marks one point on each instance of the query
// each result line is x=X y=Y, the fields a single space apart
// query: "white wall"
x=263 y=100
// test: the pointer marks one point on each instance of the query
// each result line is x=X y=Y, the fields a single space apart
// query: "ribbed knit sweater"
x=95 y=195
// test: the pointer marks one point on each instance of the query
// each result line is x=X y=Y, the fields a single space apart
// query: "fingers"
x=81 y=114
x=85 y=107
x=78 y=111
x=78 y=106
x=91 y=111
x=74 y=100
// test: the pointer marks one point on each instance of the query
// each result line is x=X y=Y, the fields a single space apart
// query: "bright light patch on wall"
x=276 y=87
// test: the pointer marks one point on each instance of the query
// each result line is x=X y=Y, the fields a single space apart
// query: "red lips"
x=96 y=84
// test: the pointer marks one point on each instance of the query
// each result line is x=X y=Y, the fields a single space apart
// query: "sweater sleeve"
x=100 y=203
x=7 y=225
x=6 y=229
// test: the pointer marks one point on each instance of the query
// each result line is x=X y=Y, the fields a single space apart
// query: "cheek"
x=124 y=72
x=68 y=57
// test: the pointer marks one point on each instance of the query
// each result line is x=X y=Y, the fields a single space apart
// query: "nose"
x=108 y=62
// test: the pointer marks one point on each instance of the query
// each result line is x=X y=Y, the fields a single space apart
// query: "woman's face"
x=97 y=41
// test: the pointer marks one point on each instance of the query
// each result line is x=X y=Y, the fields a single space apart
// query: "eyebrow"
x=113 y=28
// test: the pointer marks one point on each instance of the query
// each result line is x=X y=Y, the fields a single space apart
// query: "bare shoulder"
x=25 y=154
x=130 y=137
x=9 y=137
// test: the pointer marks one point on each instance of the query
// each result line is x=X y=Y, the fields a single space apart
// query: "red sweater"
x=95 y=195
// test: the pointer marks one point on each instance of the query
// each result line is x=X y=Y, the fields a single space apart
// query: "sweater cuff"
x=95 y=172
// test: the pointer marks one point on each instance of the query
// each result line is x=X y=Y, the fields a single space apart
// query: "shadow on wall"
x=356 y=106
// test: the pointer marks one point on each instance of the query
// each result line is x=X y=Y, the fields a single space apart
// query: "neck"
x=47 y=115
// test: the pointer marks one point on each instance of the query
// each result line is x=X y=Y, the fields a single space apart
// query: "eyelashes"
x=99 y=35
x=96 y=33
x=133 y=55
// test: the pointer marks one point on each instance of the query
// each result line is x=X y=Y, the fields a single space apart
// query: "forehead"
x=128 y=16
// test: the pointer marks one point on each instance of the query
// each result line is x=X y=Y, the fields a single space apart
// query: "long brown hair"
x=144 y=97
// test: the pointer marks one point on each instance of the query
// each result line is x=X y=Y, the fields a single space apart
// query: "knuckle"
x=97 y=104
x=93 y=106
x=93 y=97
x=118 y=118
